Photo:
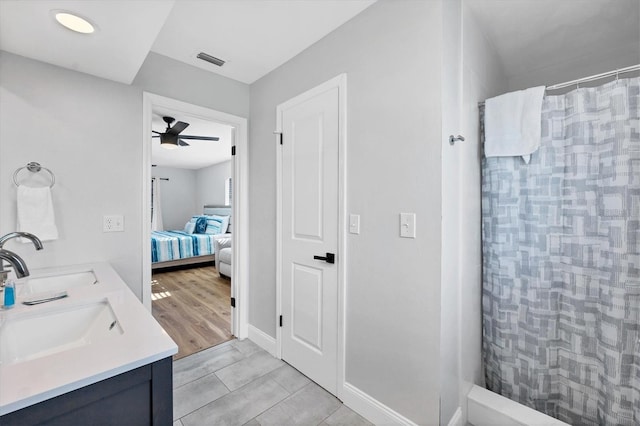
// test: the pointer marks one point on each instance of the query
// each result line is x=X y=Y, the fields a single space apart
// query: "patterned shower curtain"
x=561 y=261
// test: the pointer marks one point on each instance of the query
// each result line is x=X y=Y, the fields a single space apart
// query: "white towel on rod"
x=512 y=123
x=35 y=213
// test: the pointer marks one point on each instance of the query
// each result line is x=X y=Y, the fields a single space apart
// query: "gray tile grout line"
x=230 y=392
x=230 y=343
x=206 y=375
x=223 y=384
x=200 y=377
x=294 y=393
x=269 y=408
x=215 y=371
x=334 y=411
x=283 y=399
x=222 y=396
x=247 y=382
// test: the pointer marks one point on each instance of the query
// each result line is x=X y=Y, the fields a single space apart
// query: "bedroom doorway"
x=190 y=296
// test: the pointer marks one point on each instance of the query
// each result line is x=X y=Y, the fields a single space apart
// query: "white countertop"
x=143 y=341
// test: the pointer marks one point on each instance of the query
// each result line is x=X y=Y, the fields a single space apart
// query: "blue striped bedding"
x=171 y=245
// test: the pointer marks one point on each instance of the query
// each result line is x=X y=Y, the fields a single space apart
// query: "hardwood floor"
x=193 y=306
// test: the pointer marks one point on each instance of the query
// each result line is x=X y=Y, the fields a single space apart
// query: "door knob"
x=329 y=258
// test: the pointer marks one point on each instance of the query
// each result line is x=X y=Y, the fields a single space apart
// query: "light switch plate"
x=354 y=223
x=408 y=225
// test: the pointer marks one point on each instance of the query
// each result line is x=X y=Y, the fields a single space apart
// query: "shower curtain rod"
x=590 y=78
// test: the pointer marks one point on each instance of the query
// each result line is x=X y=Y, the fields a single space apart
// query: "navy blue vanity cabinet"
x=143 y=396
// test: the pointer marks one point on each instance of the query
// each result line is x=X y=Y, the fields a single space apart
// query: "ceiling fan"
x=171 y=138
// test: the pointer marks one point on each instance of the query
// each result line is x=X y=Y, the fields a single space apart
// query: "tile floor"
x=238 y=383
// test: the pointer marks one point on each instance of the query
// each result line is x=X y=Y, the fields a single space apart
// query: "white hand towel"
x=512 y=123
x=35 y=213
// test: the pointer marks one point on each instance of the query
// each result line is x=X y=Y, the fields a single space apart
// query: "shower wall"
x=451 y=96
x=480 y=76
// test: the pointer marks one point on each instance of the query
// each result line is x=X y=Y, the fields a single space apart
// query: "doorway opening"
x=194 y=198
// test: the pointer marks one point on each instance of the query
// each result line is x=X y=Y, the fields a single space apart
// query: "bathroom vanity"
x=96 y=356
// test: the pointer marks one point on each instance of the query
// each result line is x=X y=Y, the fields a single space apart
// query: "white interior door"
x=309 y=294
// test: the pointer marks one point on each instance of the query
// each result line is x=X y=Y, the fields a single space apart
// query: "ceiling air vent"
x=211 y=59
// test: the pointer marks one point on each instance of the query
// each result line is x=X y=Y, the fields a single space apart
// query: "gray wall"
x=210 y=184
x=471 y=73
x=482 y=78
x=177 y=196
x=572 y=68
x=188 y=190
x=167 y=77
x=65 y=120
x=393 y=166
x=449 y=292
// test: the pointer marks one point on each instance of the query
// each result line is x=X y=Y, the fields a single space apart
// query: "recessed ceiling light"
x=74 y=22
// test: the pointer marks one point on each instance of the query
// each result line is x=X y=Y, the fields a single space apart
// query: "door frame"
x=339 y=82
x=239 y=203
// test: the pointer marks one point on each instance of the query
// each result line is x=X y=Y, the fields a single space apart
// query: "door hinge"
x=233 y=302
x=233 y=150
x=280 y=320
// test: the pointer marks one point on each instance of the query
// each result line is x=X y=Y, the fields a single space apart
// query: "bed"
x=177 y=247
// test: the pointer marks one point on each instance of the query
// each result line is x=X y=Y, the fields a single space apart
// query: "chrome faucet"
x=16 y=261
x=35 y=240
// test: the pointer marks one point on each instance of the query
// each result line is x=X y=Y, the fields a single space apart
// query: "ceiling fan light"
x=168 y=142
x=74 y=22
x=169 y=145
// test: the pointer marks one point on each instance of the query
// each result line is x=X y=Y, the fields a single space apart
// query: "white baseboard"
x=456 y=419
x=370 y=408
x=262 y=339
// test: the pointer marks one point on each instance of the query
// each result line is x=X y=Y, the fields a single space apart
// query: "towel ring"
x=34 y=167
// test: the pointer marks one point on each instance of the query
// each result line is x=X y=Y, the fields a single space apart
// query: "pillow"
x=189 y=227
x=217 y=224
x=201 y=224
x=225 y=223
x=214 y=226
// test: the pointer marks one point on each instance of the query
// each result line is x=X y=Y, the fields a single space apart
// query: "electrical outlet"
x=113 y=223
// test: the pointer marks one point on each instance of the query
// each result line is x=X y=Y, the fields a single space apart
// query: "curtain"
x=561 y=262
x=156 y=207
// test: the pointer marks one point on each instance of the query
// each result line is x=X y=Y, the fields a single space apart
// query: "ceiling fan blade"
x=202 y=138
x=177 y=128
x=156 y=132
x=182 y=143
x=155 y=136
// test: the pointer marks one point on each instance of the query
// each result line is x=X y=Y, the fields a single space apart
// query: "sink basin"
x=59 y=282
x=28 y=336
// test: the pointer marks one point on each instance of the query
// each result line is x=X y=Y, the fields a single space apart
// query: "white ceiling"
x=256 y=36
x=531 y=36
x=126 y=31
x=198 y=154
x=253 y=36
